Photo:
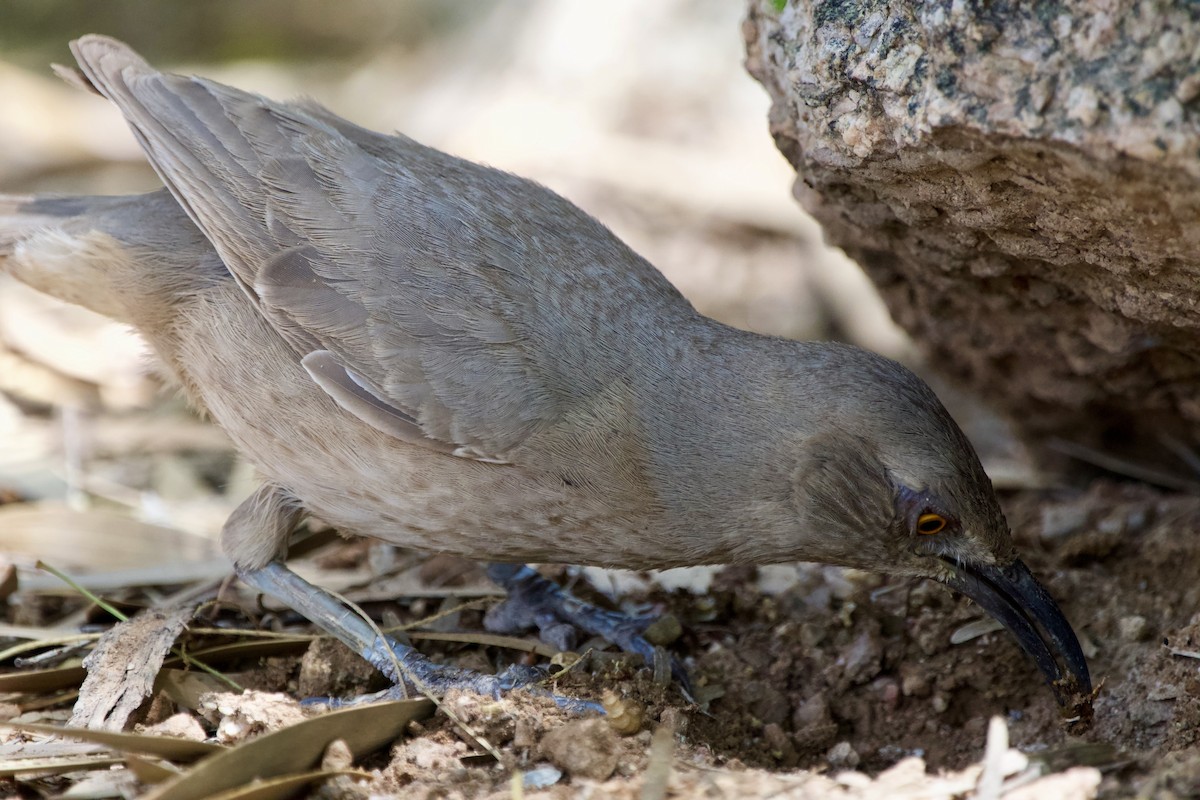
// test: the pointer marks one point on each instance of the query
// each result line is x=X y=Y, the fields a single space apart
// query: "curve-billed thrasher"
x=441 y=355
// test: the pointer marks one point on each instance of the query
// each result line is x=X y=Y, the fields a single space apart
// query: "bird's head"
x=889 y=483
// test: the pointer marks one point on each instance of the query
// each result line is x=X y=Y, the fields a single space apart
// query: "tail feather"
x=122 y=257
x=43 y=245
x=22 y=216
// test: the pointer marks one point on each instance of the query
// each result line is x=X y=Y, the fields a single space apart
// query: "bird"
x=430 y=352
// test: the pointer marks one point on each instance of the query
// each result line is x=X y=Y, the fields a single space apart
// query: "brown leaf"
x=161 y=746
x=42 y=680
x=279 y=788
x=295 y=749
x=93 y=540
x=18 y=766
x=149 y=771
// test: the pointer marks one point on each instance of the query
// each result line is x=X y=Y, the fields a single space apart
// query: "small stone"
x=1083 y=105
x=329 y=668
x=1061 y=520
x=664 y=630
x=1188 y=88
x=842 y=756
x=861 y=660
x=1133 y=628
x=525 y=734
x=1163 y=691
x=337 y=756
x=913 y=681
x=782 y=749
x=541 y=777
x=813 y=711
x=1136 y=520
x=674 y=719
x=889 y=692
x=180 y=726
x=587 y=748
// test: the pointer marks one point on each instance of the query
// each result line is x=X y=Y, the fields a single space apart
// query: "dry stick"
x=467 y=606
x=62 y=576
x=48 y=701
x=233 y=633
x=1121 y=466
x=487 y=640
x=1181 y=450
x=658 y=768
x=251 y=634
x=38 y=644
x=421 y=687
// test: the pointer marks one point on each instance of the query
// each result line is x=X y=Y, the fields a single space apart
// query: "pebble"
x=541 y=777
x=842 y=756
x=586 y=748
x=1133 y=628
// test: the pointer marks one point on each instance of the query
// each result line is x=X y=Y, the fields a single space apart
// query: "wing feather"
x=419 y=289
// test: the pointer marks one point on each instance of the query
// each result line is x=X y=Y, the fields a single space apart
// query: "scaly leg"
x=263 y=521
x=535 y=601
x=400 y=663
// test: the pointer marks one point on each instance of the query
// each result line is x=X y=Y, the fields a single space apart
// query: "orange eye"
x=931 y=523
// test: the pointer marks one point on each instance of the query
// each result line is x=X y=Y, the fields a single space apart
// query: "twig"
x=1121 y=466
x=179 y=651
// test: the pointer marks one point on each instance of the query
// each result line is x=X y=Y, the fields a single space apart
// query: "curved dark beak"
x=1014 y=597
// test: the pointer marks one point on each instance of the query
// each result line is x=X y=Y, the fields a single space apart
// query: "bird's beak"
x=1014 y=597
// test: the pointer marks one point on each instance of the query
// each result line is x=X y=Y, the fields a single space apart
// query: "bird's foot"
x=537 y=602
x=412 y=673
x=422 y=677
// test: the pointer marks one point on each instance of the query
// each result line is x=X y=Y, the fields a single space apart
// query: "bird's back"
x=476 y=304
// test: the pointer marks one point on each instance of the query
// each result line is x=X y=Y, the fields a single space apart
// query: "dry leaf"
x=279 y=788
x=19 y=766
x=161 y=746
x=93 y=540
x=295 y=749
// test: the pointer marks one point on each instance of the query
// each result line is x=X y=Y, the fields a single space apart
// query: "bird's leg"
x=535 y=601
x=411 y=671
x=271 y=510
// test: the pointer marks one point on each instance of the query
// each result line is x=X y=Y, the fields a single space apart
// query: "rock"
x=330 y=669
x=1133 y=628
x=842 y=756
x=1022 y=184
x=586 y=748
x=1062 y=520
x=780 y=745
x=813 y=723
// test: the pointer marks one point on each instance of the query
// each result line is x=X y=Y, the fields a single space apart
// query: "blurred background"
x=641 y=113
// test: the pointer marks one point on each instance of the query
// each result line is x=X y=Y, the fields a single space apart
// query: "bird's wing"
x=422 y=292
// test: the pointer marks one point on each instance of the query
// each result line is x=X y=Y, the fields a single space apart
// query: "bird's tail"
x=49 y=244
x=118 y=256
x=21 y=216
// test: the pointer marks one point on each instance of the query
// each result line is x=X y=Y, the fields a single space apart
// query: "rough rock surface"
x=1022 y=181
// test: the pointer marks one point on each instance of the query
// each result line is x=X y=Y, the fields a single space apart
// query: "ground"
x=810 y=681
x=799 y=670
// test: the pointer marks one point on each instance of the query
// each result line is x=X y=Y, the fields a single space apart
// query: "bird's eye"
x=930 y=523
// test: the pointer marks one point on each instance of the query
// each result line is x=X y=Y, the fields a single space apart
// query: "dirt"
x=840 y=671
x=858 y=672
x=834 y=684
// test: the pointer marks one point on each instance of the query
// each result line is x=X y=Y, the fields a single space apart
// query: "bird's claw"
x=536 y=602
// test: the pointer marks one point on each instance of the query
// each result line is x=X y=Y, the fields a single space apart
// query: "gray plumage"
x=427 y=351
x=456 y=309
